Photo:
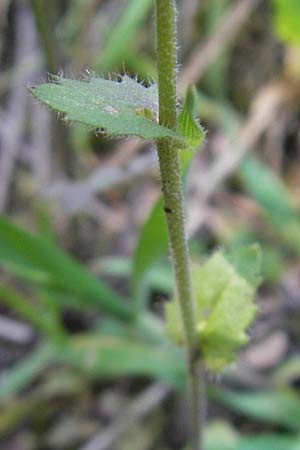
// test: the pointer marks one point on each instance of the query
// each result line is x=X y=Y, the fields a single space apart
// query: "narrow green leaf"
x=272 y=195
x=139 y=63
x=152 y=245
x=267 y=189
x=276 y=407
x=20 y=375
x=115 y=107
x=111 y=356
x=51 y=265
x=41 y=318
x=287 y=372
x=70 y=26
x=220 y=435
x=121 y=33
x=268 y=442
x=159 y=278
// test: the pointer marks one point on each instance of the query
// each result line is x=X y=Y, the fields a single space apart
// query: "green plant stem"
x=45 y=35
x=174 y=206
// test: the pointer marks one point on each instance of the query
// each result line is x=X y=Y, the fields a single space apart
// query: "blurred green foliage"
x=286 y=20
x=41 y=280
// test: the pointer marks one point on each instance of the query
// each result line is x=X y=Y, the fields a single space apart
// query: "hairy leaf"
x=118 y=108
x=188 y=125
x=224 y=308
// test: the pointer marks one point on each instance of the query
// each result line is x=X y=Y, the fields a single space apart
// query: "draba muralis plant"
x=213 y=304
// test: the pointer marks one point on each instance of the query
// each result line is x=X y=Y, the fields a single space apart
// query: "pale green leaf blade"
x=209 y=281
x=220 y=435
x=247 y=261
x=274 y=441
x=224 y=308
x=225 y=330
x=110 y=356
x=118 y=108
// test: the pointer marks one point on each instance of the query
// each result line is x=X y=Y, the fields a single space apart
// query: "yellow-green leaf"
x=224 y=295
x=286 y=20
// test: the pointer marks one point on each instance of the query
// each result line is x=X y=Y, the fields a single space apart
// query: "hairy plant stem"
x=174 y=206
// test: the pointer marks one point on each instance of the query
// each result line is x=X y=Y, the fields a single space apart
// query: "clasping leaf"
x=121 y=107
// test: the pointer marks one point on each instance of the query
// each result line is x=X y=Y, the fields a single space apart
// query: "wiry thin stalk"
x=174 y=205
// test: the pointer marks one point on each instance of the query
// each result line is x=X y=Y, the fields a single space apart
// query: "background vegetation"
x=74 y=373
